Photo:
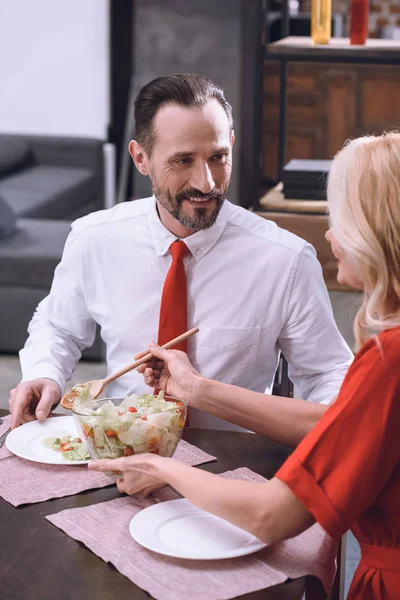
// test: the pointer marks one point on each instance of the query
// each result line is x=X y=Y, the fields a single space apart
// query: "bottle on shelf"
x=358 y=22
x=321 y=19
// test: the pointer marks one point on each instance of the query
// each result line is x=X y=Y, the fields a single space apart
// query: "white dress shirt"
x=253 y=289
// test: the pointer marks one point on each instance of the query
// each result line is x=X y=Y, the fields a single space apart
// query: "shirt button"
x=198 y=252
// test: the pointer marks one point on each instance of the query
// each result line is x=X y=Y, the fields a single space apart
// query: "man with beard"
x=253 y=289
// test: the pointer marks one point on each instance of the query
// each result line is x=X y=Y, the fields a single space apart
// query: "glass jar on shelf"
x=359 y=22
x=321 y=21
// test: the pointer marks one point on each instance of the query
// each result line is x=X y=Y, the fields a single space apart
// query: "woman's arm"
x=270 y=511
x=284 y=420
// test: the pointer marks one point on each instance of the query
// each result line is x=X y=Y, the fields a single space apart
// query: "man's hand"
x=171 y=371
x=141 y=473
x=33 y=399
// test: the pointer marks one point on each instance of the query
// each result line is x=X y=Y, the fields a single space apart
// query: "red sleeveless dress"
x=347 y=470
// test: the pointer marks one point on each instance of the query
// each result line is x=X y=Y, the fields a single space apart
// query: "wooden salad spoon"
x=94 y=388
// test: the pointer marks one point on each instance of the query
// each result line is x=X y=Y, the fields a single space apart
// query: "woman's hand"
x=141 y=473
x=171 y=372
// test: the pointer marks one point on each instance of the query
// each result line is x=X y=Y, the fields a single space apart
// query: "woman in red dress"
x=345 y=474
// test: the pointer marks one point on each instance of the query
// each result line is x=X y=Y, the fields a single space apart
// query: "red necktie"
x=173 y=310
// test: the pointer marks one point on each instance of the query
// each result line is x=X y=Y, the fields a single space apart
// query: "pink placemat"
x=104 y=529
x=26 y=482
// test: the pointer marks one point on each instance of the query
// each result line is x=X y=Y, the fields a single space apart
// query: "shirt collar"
x=199 y=243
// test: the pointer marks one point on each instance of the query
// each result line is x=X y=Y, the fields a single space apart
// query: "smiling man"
x=253 y=289
x=190 y=163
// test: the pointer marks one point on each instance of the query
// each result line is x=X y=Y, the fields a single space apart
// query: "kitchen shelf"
x=296 y=48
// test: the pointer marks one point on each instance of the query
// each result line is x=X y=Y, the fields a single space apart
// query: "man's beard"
x=201 y=219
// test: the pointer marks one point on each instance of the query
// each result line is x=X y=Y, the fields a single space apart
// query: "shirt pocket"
x=228 y=355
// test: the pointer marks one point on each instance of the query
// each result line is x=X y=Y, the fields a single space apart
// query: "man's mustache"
x=192 y=193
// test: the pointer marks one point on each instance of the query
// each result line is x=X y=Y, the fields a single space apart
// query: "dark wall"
x=190 y=36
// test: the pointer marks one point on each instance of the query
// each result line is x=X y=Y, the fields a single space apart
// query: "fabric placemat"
x=104 y=529
x=26 y=482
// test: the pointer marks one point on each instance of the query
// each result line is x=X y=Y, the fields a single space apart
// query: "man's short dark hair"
x=186 y=90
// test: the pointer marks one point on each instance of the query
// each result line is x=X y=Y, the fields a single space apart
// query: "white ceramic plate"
x=26 y=441
x=179 y=529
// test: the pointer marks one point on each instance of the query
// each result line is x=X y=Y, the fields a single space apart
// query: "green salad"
x=138 y=424
x=82 y=392
x=71 y=447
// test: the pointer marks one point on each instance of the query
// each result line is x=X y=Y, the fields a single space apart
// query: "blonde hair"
x=364 y=206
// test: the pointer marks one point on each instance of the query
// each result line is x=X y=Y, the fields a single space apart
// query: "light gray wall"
x=54 y=67
x=189 y=36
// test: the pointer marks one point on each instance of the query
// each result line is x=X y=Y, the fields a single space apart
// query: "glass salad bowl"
x=122 y=426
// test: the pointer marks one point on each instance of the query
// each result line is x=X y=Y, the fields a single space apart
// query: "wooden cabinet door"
x=327 y=104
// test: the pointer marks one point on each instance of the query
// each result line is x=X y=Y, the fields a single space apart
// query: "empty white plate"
x=26 y=441
x=179 y=529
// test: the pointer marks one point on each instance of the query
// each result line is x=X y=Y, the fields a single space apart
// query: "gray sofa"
x=45 y=183
x=51 y=177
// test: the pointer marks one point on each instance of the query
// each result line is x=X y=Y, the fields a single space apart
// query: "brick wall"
x=381 y=13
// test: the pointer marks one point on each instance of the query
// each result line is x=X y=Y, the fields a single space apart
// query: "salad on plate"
x=70 y=447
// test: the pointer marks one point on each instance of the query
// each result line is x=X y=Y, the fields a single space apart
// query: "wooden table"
x=39 y=562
